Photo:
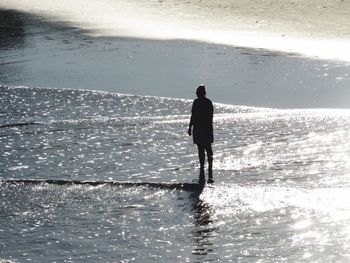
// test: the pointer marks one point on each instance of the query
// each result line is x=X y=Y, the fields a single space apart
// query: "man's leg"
x=209 y=151
x=201 y=155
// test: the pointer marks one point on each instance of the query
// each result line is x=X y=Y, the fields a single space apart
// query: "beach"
x=313 y=28
x=95 y=161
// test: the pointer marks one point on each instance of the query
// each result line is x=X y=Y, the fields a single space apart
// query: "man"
x=202 y=122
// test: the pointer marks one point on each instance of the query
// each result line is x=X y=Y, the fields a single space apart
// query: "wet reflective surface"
x=36 y=51
x=281 y=190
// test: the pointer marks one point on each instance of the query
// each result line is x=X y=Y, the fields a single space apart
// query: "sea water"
x=280 y=194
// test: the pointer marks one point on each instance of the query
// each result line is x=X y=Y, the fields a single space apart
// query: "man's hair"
x=201 y=92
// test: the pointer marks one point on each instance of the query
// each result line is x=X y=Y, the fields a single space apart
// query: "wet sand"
x=309 y=27
x=313 y=18
x=36 y=52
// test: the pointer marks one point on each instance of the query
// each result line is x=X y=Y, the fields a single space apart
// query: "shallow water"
x=281 y=191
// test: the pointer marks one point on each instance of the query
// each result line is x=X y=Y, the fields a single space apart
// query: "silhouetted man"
x=202 y=122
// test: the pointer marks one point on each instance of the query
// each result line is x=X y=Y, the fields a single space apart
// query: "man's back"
x=202 y=113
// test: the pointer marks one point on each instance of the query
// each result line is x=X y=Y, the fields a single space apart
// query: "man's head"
x=201 y=92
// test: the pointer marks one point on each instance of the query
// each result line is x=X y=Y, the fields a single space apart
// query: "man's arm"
x=211 y=112
x=189 y=131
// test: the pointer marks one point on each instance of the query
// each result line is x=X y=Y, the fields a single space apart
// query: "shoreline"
x=46 y=54
x=255 y=109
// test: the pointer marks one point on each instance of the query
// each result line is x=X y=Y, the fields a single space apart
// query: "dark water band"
x=180 y=186
x=18 y=124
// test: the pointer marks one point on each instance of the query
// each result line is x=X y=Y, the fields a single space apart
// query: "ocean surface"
x=281 y=191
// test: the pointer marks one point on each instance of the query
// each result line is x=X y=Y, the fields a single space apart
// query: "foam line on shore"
x=178 y=186
x=21 y=124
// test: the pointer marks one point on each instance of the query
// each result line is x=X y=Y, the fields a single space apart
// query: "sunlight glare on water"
x=281 y=191
x=296 y=219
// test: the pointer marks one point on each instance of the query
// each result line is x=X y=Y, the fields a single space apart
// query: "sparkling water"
x=280 y=194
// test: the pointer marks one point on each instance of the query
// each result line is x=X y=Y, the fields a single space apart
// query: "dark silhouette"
x=202 y=122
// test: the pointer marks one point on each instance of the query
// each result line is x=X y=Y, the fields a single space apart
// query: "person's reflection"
x=203 y=232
